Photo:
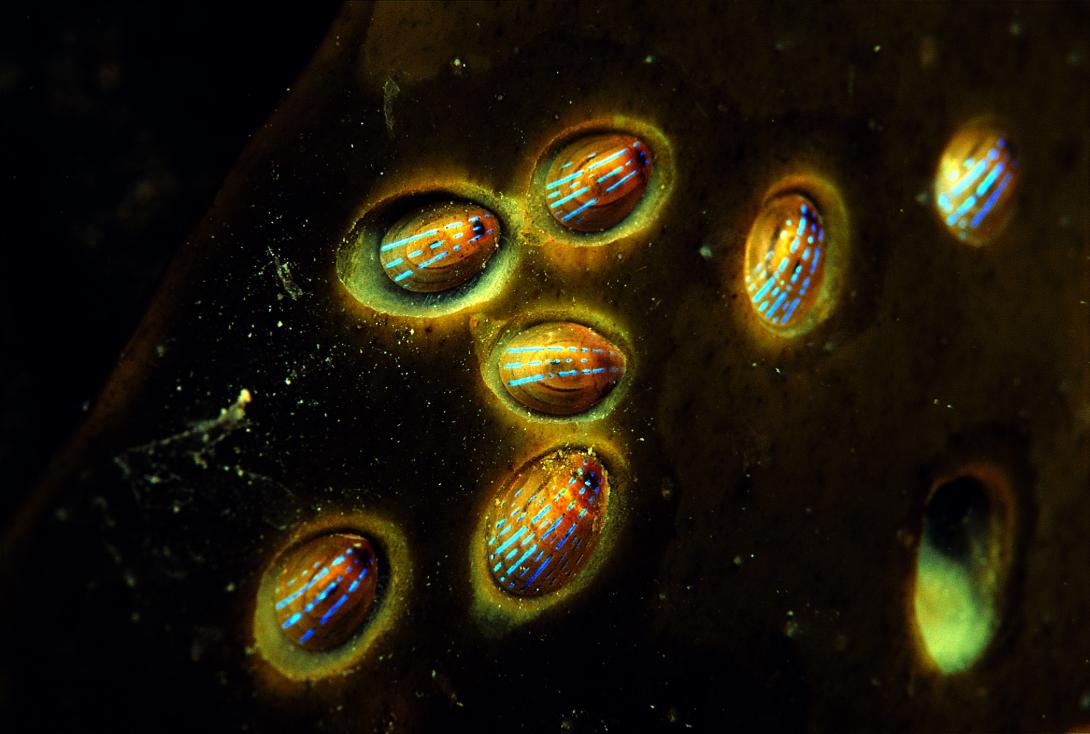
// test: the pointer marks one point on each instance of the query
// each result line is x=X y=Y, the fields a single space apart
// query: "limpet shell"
x=975 y=183
x=439 y=247
x=785 y=260
x=325 y=589
x=545 y=524
x=595 y=181
x=560 y=368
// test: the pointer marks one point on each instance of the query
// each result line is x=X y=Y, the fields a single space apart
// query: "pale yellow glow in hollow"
x=961 y=567
x=955 y=611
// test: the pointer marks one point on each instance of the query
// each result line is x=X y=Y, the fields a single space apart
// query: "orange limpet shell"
x=785 y=260
x=595 y=181
x=325 y=589
x=439 y=247
x=545 y=524
x=976 y=182
x=560 y=368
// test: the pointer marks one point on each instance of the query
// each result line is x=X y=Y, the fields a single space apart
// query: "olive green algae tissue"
x=457 y=411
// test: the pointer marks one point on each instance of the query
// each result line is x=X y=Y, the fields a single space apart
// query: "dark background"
x=120 y=121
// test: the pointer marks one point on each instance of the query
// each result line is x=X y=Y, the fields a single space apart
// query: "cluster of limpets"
x=436 y=254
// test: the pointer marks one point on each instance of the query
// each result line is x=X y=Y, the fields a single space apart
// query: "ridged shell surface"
x=325 y=589
x=595 y=181
x=560 y=368
x=975 y=183
x=439 y=247
x=785 y=260
x=544 y=525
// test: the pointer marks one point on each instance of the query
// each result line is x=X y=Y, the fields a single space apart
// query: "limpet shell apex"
x=545 y=524
x=560 y=368
x=439 y=247
x=325 y=589
x=595 y=181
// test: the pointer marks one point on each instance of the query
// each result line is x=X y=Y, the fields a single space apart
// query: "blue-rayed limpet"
x=439 y=247
x=595 y=181
x=785 y=260
x=976 y=183
x=325 y=589
x=560 y=368
x=545 y=523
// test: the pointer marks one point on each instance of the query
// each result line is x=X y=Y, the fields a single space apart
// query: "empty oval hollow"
x=961 y=569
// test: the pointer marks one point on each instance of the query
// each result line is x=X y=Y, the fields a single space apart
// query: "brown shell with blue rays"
x=560 y=368
x=325 y=589
x=767 y=484
x=785 y=260
x=595 y=181
x=439 y=247
x=545 y=524
x=976 y=183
